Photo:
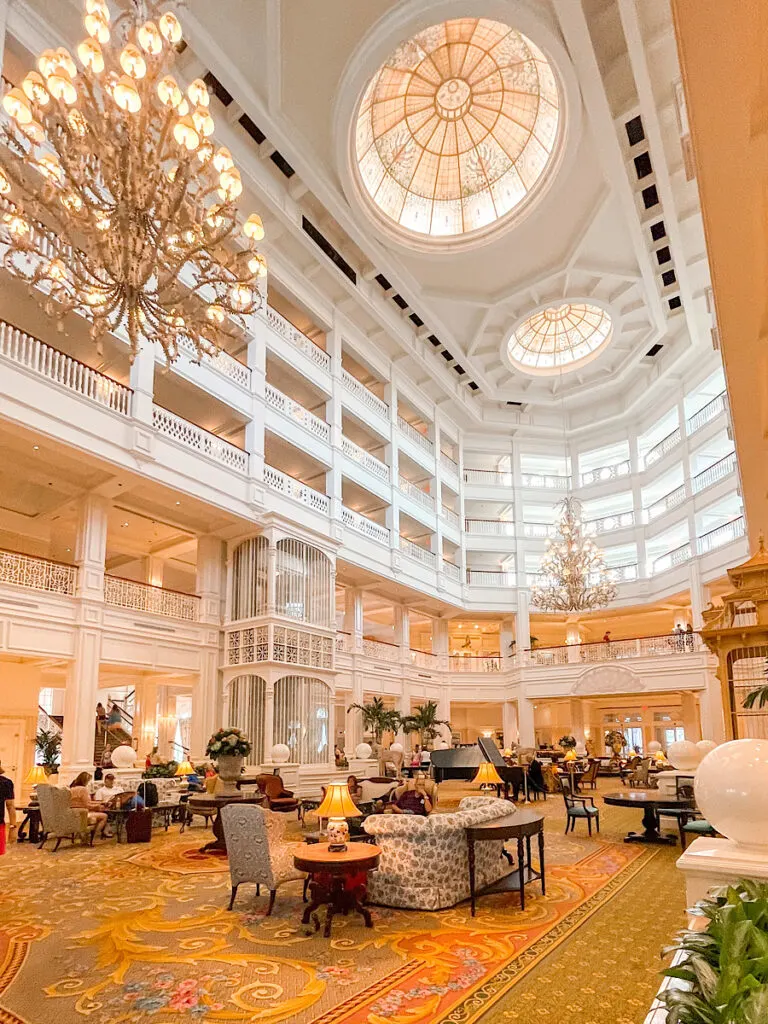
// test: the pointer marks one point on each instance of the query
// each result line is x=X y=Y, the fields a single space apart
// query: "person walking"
x=7 y=806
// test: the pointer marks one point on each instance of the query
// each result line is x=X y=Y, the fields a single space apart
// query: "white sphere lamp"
x=705 y=746
x=732 y=791
x=280 y=753
x=684 y=755
x=363 y=751
x=396 y=748
x=654 y=747
x=123 y=756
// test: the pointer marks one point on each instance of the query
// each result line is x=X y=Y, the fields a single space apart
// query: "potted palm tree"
x=377 y=718
x=425 y=722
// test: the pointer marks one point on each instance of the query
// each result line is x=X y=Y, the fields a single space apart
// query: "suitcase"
x=138 y=826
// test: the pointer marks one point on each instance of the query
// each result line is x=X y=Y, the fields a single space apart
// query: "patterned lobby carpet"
x=140 y=935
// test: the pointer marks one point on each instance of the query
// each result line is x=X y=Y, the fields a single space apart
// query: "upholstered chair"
x=278 y=797
x=256 y=849
x=59 y=819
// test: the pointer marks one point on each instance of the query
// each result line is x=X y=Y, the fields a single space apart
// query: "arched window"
x=246 y=712
x=304 y=584
x=249 y=578
x=302 y=718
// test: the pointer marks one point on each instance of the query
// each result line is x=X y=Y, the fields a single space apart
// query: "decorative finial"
x=761 y=543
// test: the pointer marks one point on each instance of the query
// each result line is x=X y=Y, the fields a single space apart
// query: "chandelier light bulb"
x=170 y=27
x=77 y=122
x=132 y=62
x=56 y=270
x=16 y=105
x=34 y=88
x=97 y=27
x=198 y=93
x=126 y=95
x=253 y=228
x=72 y=202
x=203 y=122
x=150 y=39
x=240 y=297
x=223 y=161
x=214 y=218
x=231 y=184
x=183 y=108
x=64 y=60
x=97 y=7
x=91 y=56
x=60 y=86
x=185 y=133
x=50 y=168
x=215 y=314
x=17 y=226
x=205 y=152
x=257 y=265
x=169 y=92
x=103 y=222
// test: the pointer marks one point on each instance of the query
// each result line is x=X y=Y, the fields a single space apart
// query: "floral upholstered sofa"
x=424 y=863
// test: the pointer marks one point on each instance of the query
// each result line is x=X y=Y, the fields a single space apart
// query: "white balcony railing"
x=665 y=445
x=617 y=650
x=45 y=361
x=423 y=659
x=450 y=516
x=419 y=439
x=417 y=552
x=415 y=492
x=712 y=409
x=37 y=573
x=472 y=663
x=199 y=439
x=490 y=527
x=537 y=529
x=547 y=480
x=451 y=570
x=488 y=477
x=295 y=489
x=622 y=573
x=299 y=340
x=612 y=472
x=671 y=500
x=362 y=524
x=361 y=392
x=142 y=597
x=365 y=459
x=297 y=413
x=618 y=521
x=672 y=558
x=712 y=474
x=448 y=464
x=721 y=535
x=491 y=578
x=380 y=650
x=223 y=363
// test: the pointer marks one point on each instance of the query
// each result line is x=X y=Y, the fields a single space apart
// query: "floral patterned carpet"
x=140 y=934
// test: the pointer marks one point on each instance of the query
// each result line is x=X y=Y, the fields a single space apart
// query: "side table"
x=34 y=821
x=329 y=873
x=520 y=826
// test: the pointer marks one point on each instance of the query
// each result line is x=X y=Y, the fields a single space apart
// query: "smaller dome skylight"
x=559 y=337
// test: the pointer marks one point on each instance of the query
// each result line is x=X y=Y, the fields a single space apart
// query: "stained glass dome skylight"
x=457 y=128
x=559 y=336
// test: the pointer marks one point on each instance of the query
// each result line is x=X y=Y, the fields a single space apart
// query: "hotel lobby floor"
x=140 y=934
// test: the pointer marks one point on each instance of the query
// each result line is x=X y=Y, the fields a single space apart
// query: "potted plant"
x=377 y=718
x=167 y=770
x=425 y=722
x=567 y=742
x=48 y=745
x=229 y=748
x=616 y=741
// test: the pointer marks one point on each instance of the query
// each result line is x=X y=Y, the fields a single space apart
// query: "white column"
x=271 y=577
x=509 y=723
x=404 y=708
x=403 y=631
x=269 y=721
x=211 y=578
x=525 y=723
x=690 y=712
x=333 y=414
x=577 y=723
x=254 y=429
x=697 y=593
x=166 y=719
x=142 y=382
x=353 y=616
x=154 y=566
x=145 y=717
x=91 y=547
x=206 y=703
x=354 y=724
x=712 y=711
x=440 y=642
x=506 y=636
x=522 y=626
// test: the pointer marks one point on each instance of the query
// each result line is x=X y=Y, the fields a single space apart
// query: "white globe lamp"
x=654 y=747
x=705 y=746
x=123 y=756
x=280 y=753
x=732 y=791
x=363 y=751
x=684 y=755
x=396 y=748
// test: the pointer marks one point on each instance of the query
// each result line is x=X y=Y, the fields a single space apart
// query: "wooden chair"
x=639 y=779
x=589 y=778
x=578 y=808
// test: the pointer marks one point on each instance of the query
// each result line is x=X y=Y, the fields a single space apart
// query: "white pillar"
x=142 y=382
x=525 y=722
x=712 y=711
x=271 y=577
x=522 y=626
x=697 y=593
x=145 y=717
x=506 y=637
x=205 y=703
x=269 y=721
x=166 y=719
x=211 y=578
x=690 y=712
x=353 y=734
x=154 y=566
x=353 y=616
x=577 y=722
x=254 y=428
x=509 y=723
x=403 y=631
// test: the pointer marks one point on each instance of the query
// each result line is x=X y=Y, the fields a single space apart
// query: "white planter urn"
x=230 y=767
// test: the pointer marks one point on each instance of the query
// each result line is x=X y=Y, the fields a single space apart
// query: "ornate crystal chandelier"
x=119 y=207
x=573 y=571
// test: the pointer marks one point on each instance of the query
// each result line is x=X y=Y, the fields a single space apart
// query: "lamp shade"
x=36 y=774
x=185 y=768
x=337 y=802
x=487 y=775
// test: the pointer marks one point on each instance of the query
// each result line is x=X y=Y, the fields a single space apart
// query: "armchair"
x=589 y=778
x=59 y=819
x=256 y=850
x=640 y=779
x=578 y=807
x=278 y=797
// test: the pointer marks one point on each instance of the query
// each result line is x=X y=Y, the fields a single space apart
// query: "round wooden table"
x=205 y=803
x=329 y=874
x=650 y=800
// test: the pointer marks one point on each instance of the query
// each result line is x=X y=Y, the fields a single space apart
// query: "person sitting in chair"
x=81 y=798
x=413 y=799
x=354 y=787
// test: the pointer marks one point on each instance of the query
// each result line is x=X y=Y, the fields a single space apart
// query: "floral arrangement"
x=229 y=742
x=567 y=742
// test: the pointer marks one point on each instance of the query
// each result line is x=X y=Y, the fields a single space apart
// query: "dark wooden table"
x=329 y=873
x=34 y=821
x=212 y=805
x=519 y=826
x=118 y=816
x=649 y=800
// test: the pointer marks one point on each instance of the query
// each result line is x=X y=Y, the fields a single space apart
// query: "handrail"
x=703 y=543
x=197 y=426
x=706 y=413
x=613 y=640
x=74 y=359
x=155 y=586
x=41 y=558
x=666 y=444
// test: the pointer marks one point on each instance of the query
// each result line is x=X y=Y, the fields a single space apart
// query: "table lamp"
x=570 y=755
x=337 y=806
x=487 y=776
x=35 y=775
x=185 y=768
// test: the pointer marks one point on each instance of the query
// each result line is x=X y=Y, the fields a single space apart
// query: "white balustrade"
x=415 y=492
x=451 y=570
x=56 y=366
x=545 y=480
x=417 y=552
x=449 y=516
x=365 y=459
x=488 y=477
x=297 y=413
x=490 y=527
x=199 y=439
x=298 y=339
x=537 y=529
x=380 y=651
x=717 y=471
x=448 y=464
x=472 y=663
x=360 y=391
x=612 y=472
x=222 y=363
x=419 y=439
x=297 y=490
x=248 y=645
x=672 y=440
x=37 y=573
x=622 y=573
x=143 y=597
x=721 y=535
x=489 y=578
x=672 y=558
x=618 y=521
x=618 y=650
x=712 y=409
x=345 y=643
x=362 y=524
x=672 y=500
x=423 y=659
x=294 y=646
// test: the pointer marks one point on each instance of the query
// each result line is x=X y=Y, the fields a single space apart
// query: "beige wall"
x=20 y=685
x=472 y=720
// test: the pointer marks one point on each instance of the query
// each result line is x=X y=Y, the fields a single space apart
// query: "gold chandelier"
x=119 y=206
x=573 y=573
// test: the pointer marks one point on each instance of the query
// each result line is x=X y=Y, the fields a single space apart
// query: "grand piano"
x=463 y=762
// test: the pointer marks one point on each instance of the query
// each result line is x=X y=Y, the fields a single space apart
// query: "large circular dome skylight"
x=558 y=337
x=457 y=128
